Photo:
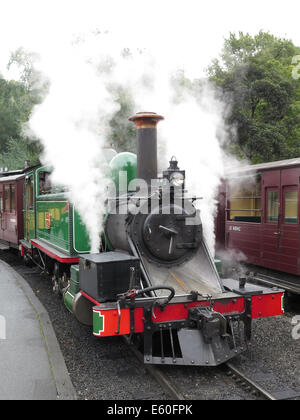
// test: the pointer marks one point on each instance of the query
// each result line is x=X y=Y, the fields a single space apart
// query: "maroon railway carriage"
x=259 y=215
x=11 y=207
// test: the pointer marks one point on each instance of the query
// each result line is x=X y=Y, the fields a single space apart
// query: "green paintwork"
x=74 y=287
x=74 y=281
x=125 y=162
x=29 y=211
x=58 y=234
x=30 y=225
x=66 y=231
x=98 y=322
x=80 y=236
x=68 y=299
x=122 y=162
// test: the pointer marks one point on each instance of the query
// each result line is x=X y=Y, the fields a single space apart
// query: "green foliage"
x=17 y=99
x=18 y=151
x=122 y=131
x=31 y=78
x=15 y=108
x=255 y=77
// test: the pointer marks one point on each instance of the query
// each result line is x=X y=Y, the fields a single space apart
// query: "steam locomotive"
x=153 y=279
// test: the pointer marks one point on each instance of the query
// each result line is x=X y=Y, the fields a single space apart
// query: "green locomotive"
x=53 y=227
x=153 y=276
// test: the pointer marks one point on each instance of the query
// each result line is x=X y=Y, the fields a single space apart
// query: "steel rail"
x=250 y=382
x=170 y=389
x=273 y=281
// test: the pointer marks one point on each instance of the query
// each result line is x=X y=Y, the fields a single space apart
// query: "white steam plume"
x=71 y=124
x=195 y=130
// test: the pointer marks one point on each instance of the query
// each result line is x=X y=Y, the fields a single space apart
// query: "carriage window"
x=7 y=197
x=273 y=206
x=45 y=186
x=13 y=197
x=291 y=207
x=245 y=200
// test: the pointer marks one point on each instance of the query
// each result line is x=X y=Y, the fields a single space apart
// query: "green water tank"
x=123 y=170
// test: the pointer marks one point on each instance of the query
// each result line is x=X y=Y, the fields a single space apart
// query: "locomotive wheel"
x=63 y=283
x=59 y=279
x=55 y=278
x=55 y=287
x=27 y=260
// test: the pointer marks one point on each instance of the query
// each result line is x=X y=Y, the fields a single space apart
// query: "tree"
x=31 y=78
x=15 y=109
x=255 y=77
x=122 y=131
x=18 y=151
x=17 y=99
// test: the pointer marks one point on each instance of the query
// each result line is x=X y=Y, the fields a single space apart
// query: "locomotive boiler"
x=153 y=280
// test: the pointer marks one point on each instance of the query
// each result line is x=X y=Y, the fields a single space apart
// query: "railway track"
x=253 y=386
x=174 y=393
x=268 y=280
x=249 y=385
x=170 y=389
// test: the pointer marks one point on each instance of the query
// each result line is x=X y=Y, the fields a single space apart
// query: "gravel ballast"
x=107 y=369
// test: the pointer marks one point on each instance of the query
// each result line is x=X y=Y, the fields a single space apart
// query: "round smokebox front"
x=165 y=238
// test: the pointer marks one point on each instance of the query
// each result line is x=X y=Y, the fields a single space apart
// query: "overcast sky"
x=187 y=33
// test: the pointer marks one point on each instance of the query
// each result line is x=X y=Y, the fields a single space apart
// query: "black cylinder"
x=146 y=123
x=147 y=154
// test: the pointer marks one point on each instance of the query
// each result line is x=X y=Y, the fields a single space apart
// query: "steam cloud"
x=73 y=125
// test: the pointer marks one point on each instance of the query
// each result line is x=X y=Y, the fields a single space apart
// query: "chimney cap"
x=146 y=119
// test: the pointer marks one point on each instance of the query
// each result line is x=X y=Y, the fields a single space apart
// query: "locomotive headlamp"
x=177 y=179
x=174 y=175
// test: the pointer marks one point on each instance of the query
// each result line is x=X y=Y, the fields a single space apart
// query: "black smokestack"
x=146 y=123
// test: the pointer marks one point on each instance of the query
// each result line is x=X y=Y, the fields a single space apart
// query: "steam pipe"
x=146 y=123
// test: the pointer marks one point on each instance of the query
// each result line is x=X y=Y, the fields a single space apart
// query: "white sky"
x=187 y=33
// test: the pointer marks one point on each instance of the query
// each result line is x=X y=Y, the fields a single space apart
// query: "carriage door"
x=271 y=220
x=29 y=218
x=289 y=226
x=281 y=220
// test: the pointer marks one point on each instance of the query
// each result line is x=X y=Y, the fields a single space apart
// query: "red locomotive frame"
x=264 y=305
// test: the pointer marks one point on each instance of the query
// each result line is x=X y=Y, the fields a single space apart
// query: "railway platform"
x=32 y=366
